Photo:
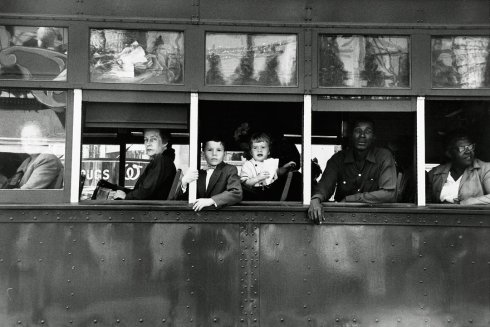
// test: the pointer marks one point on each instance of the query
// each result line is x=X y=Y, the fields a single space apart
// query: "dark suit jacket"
x=224 y=185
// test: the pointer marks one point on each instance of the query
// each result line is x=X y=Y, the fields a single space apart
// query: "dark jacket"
x=157 y=179
x=224 y=186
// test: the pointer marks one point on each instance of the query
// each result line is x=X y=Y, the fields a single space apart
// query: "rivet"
x=19 y=322
x=164 y=320
x=337 y=319
x=69 y=281
x=42 y=322
x=282 y=319
x=141 y=320
x=354 y=320
x=377 y=320
x=118 y=321
x=123 y=259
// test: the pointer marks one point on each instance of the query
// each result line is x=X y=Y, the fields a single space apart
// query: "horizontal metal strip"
x=236 y=215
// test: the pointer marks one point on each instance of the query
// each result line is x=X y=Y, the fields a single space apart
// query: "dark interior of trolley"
x=82 y=81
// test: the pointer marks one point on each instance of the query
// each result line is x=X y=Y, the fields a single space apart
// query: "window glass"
x=364 y=61
x=136 y=56
x=33 y=53
x=460 y=62
x=32 y=139
x=251 y=59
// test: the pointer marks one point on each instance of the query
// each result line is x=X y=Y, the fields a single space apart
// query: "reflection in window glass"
x=364 y=61
x=32 y=139
x=461 y=62
x=136 y=56
x=251 y=59
x=33 y=53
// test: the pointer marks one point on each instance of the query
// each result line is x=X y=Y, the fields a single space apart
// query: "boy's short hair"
x=260 y=137
x=213 y=138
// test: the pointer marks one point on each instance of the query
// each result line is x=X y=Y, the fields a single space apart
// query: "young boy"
x=219 y=185
x=258 y=175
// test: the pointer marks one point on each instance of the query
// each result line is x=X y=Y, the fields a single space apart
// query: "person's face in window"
x=363 y=136
x=153 y=143
x=462 y=153
x=260 y=150
x=214 y=153
x=32 y=139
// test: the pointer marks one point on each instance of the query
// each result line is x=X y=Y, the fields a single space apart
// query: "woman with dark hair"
x=464 y=179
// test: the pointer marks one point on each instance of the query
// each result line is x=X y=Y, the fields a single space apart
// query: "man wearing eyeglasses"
x=464 y=179
x=361 y=173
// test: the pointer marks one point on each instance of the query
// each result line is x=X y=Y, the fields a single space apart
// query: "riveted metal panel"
x=52 y=7
x=401 y=11
x=253 y=10
x=374 y=276
x=58 y=274
x=182 y=9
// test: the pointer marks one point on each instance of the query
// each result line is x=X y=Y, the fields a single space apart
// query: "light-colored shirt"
x=209 y=172
x=252 y=168
x=450 y=189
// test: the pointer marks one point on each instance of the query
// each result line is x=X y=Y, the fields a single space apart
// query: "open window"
x=113 y=148
x=458 y=136
x=276 y=123
x=394 y=131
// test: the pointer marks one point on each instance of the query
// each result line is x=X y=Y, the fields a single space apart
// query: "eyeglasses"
x=464 y=148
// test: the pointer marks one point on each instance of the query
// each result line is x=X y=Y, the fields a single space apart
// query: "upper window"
x=33 y=53
x=136 y=56
x=364 y=61
x=251 y=59
x=32 y=139
x=460 y=62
